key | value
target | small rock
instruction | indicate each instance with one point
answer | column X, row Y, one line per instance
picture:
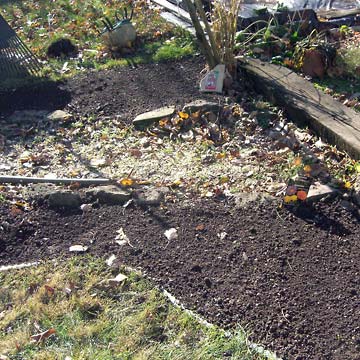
column 64, row 199
column 152, row 196
column 347, row 205
column 109, row 194
column 203, row 106
column 211, row 116
column 144, row 120
column 78, row 248
column 171, row 234
column 86, row 208
column 117, row 280
column 318, row 191
column 60, row 115
column 196, row 268
column 356, row 198
column 275, row 135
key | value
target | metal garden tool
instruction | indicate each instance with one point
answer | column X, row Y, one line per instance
column 15, row 57
column 121, row 34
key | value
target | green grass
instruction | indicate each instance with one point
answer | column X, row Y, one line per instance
column 40, row 22
column 133, row 320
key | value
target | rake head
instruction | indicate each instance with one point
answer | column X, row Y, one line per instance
column 16, row 60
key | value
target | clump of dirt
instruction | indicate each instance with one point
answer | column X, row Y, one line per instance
column 61, row 48
column 289, row 276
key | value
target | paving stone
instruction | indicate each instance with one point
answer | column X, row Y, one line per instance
column 203, row 106
column 109, row 194
column 144, row 120
column 60, row 115
column 64, row 199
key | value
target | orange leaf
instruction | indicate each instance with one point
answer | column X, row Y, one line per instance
column 183, row 115
column 49, row 290
column 126, row 182
column 195, row 115
column 307, row 168
column 297, row 161
column 42, row 336
column 302, row 195
column 200, row 227
column 163, row 122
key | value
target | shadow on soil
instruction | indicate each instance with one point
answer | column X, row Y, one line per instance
column 36, row 94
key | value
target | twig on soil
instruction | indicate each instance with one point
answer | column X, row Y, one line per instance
column 282, row 312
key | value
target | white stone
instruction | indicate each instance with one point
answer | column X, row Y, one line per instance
column 78, row 248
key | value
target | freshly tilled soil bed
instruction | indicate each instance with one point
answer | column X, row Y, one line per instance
column 291, row 276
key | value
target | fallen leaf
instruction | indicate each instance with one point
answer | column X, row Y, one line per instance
column 291, row 190
column 307, row 168
column 42, row 336
column 347, row 185
column 121, row 238
column 110, row 260
column 297, row 161
column 183, row 115
column 221, row 155
column 357, row 167
column 289, row 199
column 126, row 182
column 136, row 153
column 49, row 290
column 200, row 227
column 14, row 211
column 117, row 280
column 301, row 195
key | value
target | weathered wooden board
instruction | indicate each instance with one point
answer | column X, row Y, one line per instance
column 304, row 104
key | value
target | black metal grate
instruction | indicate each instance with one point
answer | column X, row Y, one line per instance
column 15, row 57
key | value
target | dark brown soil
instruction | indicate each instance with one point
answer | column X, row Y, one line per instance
column 124, row 91
column 292, row 277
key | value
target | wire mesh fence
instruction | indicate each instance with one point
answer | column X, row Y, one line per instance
column 15, row 57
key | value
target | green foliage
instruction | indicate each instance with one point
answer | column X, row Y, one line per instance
column 40, row 22
column 93, row 320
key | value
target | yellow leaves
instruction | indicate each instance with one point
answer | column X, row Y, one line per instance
column 290, row 198
column 307, row 168
column 224, row 179
column 347, row 185
column 221, row 155
column 293, row 194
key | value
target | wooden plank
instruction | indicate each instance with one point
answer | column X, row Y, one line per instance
column 336, row 13
column 333, row 121
column 177, row 10
column 173, row 19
